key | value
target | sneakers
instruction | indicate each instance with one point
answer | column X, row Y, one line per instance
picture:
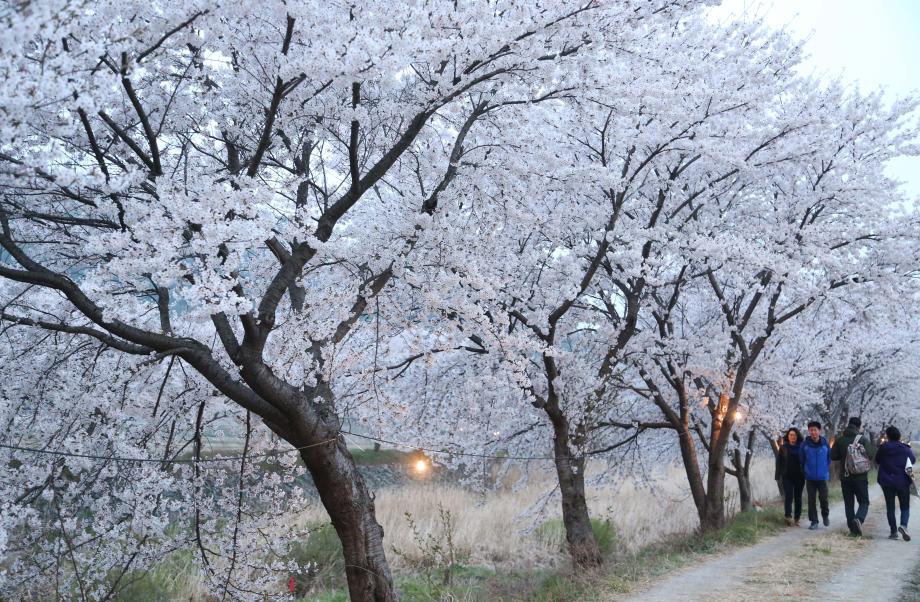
column 827, row 521
column 789, row 522
column 813, row 526
column 903, row 530
column 894, row 535
column 856, row 527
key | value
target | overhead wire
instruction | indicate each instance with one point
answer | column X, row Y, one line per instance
column 427, row 448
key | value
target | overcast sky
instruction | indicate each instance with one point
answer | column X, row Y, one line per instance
column 874, row 43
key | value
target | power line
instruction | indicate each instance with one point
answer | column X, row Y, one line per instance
column 54, row 452
column 446, row 452
column 413, row 446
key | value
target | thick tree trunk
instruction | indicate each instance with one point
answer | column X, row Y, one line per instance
column 578, row 532
column 351, row 509
column 312, row 425
column 709, row 499
column 712, row 516
column 570, row 471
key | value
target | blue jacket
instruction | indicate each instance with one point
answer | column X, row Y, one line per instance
column 816, row 459
column 891, row 458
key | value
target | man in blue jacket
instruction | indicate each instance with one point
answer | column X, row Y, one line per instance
column 816, row 462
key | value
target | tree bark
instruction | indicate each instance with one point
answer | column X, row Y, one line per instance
column 692, row 469
column 351, row 509
column 709, row 499
column 578, row 532
column 741, row 469
column 570, row 470
column 712, row 517
column 775, row 445
column 745, row 492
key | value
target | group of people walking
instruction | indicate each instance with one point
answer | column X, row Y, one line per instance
column 804, row 464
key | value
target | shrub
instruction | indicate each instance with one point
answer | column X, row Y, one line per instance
column 552, row 532
column 320, row 558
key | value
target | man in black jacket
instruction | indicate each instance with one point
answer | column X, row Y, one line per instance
column 853, row 484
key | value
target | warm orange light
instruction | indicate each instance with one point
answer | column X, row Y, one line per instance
column 421, row 466
column 738, row 415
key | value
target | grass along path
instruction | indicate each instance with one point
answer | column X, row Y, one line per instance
column 804, row 565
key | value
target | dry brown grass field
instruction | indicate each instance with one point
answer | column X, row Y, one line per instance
column 496, row 528
column 514, row 530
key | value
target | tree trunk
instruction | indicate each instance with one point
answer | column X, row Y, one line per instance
column 570, row 471
column 745, row 492
column 712, row 517
column 351, row 509
column 578, row 532
column 692, row 469
column 775, row 445
column 741, row 468
column 312, row 425
column 709, row 499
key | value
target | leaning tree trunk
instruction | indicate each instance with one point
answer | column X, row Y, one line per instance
column 709, row 499
column 691, row 463
column 351, row 509
column 345, row 496
column 570, row 470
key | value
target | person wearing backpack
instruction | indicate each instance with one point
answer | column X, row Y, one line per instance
column 854, row 450
column 815, row 457
column 789, row 471
column 892, row 458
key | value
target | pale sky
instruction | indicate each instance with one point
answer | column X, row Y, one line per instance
column 873, row 43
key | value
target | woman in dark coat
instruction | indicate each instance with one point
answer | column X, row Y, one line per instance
column 789, row 469
column 891, row 458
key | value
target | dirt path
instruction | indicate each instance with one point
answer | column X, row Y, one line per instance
column 802, row 564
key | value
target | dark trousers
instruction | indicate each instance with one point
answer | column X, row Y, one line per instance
column 792, row 496
column 903, row 496
column 855, row 490
column 819, row 487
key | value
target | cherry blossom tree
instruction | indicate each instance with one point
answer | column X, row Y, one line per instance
column 228, row 188
column 671, row 192
column 822, row 223
column 500, row 226
column 636, row 162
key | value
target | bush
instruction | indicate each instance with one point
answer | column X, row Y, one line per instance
column 438, row 552
column 559, row 588
column 320, row 558
column 165, row 582
column 605, row 534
